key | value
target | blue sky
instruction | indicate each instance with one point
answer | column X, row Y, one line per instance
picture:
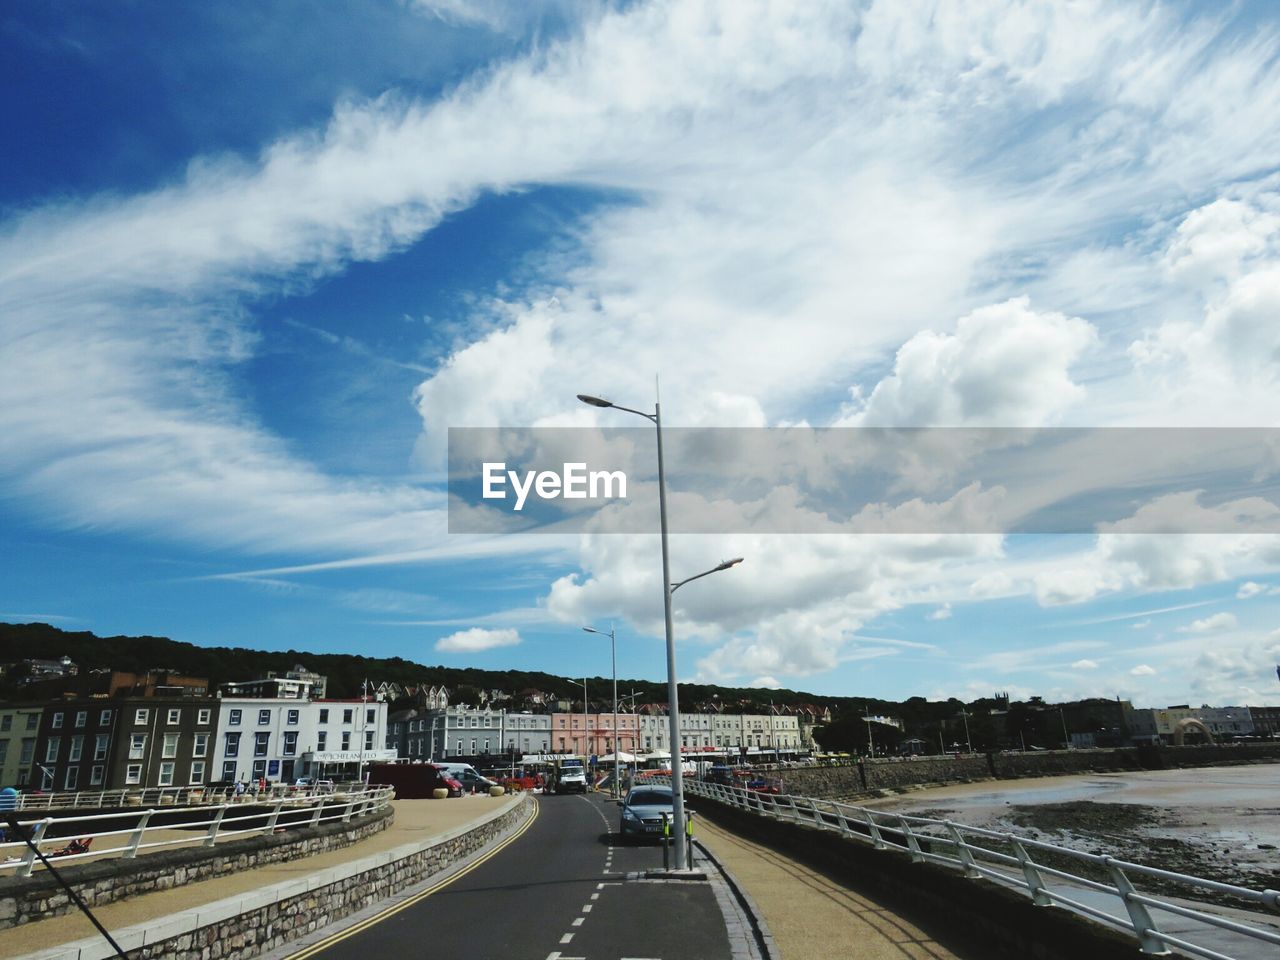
column 254, row 263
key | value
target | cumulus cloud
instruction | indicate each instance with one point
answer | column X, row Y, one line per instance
column 1143, row 670
column 477, row 639
column 1006, row 365
column 1085, row 665
column 1212, row 624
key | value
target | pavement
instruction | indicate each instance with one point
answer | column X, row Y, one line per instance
column 808, row 915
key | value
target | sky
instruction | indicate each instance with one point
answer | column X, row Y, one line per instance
column 255, row 261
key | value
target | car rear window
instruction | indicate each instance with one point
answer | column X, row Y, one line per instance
column 650, row 798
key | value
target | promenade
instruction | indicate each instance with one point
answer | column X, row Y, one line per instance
column 808, row 915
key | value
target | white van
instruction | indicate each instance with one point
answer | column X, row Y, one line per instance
column 468, row 776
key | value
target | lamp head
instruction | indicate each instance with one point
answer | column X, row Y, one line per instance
column 595, row 401
column 726, row 564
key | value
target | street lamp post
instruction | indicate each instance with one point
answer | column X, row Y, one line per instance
column 668, row 588
column 613, row 648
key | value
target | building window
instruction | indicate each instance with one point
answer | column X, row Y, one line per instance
column 137, row 746
column 259, row 769
column 51, row 749
column 174, row 717
column 82, row 717
column 73, row 778
column 104, row 718
column 33, row 720
column 203, row 716
column 140, row 717
column 346, row 716
column 228, row 770
column 346, row 740
column 368, row 739
column 324, row 714
column 57, row 721
column 233, row 717
column 28, row 752
column 166, row 774
column 133, row 773
column 232, row 748
column 260, row 743
column 371, row 715
column 264, row 718
column 77, row 747
column 170, row 749
column 321, row 739
column 46, row 778
column 460, row 747
column 197, row 773
column 95, row 777
column 6, row 723
column 290, row 743
column 292, row 718
column 200, row 748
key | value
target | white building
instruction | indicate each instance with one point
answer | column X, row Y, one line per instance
column 282, row 739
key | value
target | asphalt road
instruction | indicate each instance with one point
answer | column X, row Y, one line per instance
column 559, row 891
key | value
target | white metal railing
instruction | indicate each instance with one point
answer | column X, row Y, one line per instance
column 163, row 796
column 977, row 852
column 125, row 834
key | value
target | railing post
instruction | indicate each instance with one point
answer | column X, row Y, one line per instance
column 842, row 822
column 913, row 844
column 1030, row 873
column 29, row 858
column 346, row 817
column 1139, row 915
column 136, row 837
column 876, row 840
column 962, row 851
column 212, row 836
column 319, row 808
column 271, row 820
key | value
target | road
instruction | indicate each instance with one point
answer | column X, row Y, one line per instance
column 558, row 891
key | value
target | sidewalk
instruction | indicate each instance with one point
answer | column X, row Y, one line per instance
column 810, row 916
column 415, row 821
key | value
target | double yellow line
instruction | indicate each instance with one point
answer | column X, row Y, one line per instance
column 421, row 895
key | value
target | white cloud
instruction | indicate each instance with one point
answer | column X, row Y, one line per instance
column 1006, row 365
column 765, row 683
column 942, row 613
column 1085, row 665
column 1213, row 624
column 1140, row 625
column 1143, row 670
column 477, row 639
column 1249, row 589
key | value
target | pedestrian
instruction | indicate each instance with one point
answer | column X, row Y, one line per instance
column 240, row 788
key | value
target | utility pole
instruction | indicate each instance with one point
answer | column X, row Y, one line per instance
column 1066, row 737
column 871, row 746
column 967, row 741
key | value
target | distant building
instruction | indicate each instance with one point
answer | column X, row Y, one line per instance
column 1266, row 721
column 19, row 728
column 283, row 738
column 269, row 688
column 36, row 669
column 318, row 682
column 131, row 742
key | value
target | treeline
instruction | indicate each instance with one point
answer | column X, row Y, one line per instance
column 346, row 672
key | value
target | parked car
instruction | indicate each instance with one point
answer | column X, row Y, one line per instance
column 643, row 810
column 471, row 780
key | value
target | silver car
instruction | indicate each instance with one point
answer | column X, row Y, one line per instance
column 643, row 811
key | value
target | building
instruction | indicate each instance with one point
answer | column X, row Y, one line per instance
column 1167, row 725
column 1266, row 721
column 268, row 688
column 283, row 738
column 19, row 728
column 100, row 744
column 319, row 683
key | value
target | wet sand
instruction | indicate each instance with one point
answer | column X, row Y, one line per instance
column 1219, row 822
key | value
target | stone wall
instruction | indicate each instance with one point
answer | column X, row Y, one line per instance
column 867, row 778
column 28, row 899
column 249, row 925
